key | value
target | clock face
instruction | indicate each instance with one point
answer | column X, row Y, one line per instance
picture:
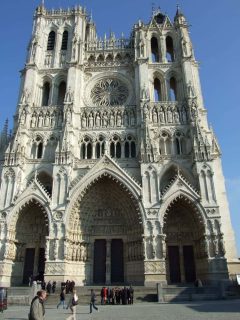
column 109, row 92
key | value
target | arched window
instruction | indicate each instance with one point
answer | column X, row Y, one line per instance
column 126, row 153
column 86, row 151
column 89, row 151
column 173, row 89
column 112, row 149
column 169, row 49
column 133, row 149
column 116, row 147
column 64, row 40
column 46, row 94
column 51, row 41
column 98, row 150
column 83, row 151
column 129, row 147
column 61, row 92
column 165, row 144
column 118, row 150
column 157, row 90
column 178, row 146
column 154, row 50
column 40, row 150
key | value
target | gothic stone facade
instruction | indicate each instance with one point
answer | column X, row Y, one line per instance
column 113, row 173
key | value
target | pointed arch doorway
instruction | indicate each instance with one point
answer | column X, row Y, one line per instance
column 186, row 254
column 26, row 249
column 107, row 220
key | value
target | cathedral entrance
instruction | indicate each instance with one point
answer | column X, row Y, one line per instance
column 111, row 266
column 107, row 224
column 28, row 251
column 184, row 236
column 99, row 267
column 117, row 267
column 175, row 254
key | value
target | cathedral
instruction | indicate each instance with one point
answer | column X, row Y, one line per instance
column 112, row 174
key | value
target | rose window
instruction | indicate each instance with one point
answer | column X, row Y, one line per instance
column 109, row 92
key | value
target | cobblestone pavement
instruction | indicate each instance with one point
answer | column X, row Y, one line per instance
column 227, row 310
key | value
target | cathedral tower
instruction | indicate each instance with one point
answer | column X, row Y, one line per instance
column 113, row 174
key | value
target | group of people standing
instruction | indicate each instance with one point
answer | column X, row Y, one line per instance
column 117, row 295
column 108, row 296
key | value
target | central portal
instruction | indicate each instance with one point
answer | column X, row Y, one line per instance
column 108, row 262
column 106, row 223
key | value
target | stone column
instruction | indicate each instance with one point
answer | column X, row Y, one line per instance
column 108, row 262
column 47, row 248
column 163, row 49
column 182, row 269
column 36, row 260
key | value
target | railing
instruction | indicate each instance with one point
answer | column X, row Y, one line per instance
column 109, row 44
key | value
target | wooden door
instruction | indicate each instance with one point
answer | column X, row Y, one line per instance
column 99, row 265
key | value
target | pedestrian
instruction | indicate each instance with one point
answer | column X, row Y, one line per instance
column 93, row 301
column 72, row 304
column 37, row 310
column 62, row 299
column 30, row 280
column 131, row 293
column 49, row 287
column 102, row 296
column 54, row 286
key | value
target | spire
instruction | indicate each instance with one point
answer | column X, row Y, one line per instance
column 91, row 17
column 179, row 16
column 178, row 12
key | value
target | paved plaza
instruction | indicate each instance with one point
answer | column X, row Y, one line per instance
column 210, row 310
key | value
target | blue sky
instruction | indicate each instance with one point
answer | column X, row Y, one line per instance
column 215, row 26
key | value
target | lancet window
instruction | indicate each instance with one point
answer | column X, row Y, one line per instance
column 169, row 49
column 154, row 49
column 64, row 40
column 51, row 41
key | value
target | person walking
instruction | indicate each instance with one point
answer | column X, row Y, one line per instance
column 72, row 304
column 131, row 294
column 37, row 310
column 93, row 301
column 62, row 299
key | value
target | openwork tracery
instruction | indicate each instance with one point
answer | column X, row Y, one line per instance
column 109, row 92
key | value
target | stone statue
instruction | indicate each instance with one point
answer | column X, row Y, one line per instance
column 90, row 120
column 119, row 120
column 176, row 116
column 84, row 121
column 111, row 120
column 184, row 115
column 155, row 117
column 105, row 120
column 190, row 90
column 97, row 120
column 34, row 48
column 169, row 115
column 25, row 97
column 69, row 96
column 221, row 246
column 125, row 119
column 186, row 48
column 144, row 93
column 162, row 116
column 141, row 45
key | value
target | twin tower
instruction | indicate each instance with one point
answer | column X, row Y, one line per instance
column 113, row 174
